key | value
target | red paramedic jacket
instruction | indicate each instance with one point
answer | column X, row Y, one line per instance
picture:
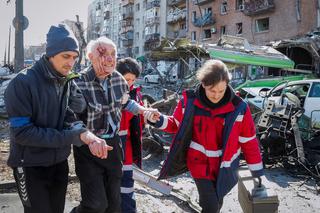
column 216, row 139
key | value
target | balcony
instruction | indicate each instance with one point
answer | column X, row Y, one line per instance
column 152, row 37
column 177, row 34
column 206, row 20
column 106, row 15
column 126, row 29
column 127, row 35
column 258, row 7
column 106, row 32
column 201, row 2
column 126, row 2
column 175, row 15
column 182, row 33
column 155, row 3
column 127, row 15
column 107, row 8
column 127, row 23
column 152, row 21
column 125, row 52
column 176, row 2
column 127, row 43
column 151, row 45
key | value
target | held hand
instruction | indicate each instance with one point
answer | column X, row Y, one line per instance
column 88, row 137
column 100, row 149
column 152, row 116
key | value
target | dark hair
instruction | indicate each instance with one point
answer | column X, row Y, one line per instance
column 212, row 72
column 128, row 65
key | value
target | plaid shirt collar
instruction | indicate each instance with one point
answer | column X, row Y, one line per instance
column 91, row 75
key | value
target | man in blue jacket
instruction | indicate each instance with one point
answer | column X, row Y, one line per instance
column 37, row 103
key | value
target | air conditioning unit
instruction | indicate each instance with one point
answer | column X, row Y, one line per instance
column 241, row 7
column 213, row 30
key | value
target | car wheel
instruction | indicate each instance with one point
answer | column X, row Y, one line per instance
column 146, row 80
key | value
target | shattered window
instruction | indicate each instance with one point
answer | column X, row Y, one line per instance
column 299, row 90
column 239, row 5
column 315, row 90
column 223, row 8
column 262, row 25
column 222, row 30
column 207, row 33
column 239, row 28
column 277, row 91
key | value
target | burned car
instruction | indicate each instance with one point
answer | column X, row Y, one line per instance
column 288, row 128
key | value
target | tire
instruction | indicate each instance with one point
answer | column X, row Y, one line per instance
column 146, row 80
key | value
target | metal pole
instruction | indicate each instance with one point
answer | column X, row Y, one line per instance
column 5, row 56
column 19, row 50
column 9, row 45
column 318, row 13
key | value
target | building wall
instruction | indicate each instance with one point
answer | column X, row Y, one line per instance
column 177, row 28
column 98, row 25
column 138, row 37
column 283, row 22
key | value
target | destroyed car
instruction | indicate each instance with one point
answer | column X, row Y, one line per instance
column 305, row 93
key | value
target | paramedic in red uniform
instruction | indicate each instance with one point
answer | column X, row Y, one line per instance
column 130, row 134
column 213, row 127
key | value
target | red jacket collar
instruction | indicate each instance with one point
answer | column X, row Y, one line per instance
column 229, row 107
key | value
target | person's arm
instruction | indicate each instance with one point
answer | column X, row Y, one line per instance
column 249, row 144
column 77, row 102
column 76, row 106
column 167, row 123
column 18, row 100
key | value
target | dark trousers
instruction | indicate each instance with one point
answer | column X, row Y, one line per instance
column 42, row 189
column 128, row 201
column 100, row 180
column 208, row 198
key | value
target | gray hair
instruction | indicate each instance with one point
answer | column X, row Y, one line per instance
column 101, row 41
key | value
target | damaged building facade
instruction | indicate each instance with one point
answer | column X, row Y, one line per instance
column 138, row 26
column 288, row 24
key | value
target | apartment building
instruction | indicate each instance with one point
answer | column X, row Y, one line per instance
column 103, row 20
column 176, row 19
column 259, row 21
column 138, row 29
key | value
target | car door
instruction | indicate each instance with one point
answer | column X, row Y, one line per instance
column 154, row 77
column 312, row 103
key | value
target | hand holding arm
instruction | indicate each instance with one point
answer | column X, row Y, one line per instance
column 97, row 146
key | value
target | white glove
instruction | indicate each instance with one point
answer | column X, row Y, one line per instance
column 148, row 115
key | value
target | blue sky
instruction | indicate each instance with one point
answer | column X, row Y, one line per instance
column 41, row 14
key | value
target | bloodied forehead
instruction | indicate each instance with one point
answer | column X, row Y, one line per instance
column 105, row 50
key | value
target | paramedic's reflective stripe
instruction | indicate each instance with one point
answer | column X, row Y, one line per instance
column 164, row 122
column 19, row 121
column 123, row 132
column 255, row 167
column 208, row 153
column 239, row 118
column 126, row 190
column 246, row 139
column 228, row 163
column 177, row 122
column 127, row 168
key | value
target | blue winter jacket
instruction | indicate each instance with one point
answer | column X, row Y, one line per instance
column 36, row 101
